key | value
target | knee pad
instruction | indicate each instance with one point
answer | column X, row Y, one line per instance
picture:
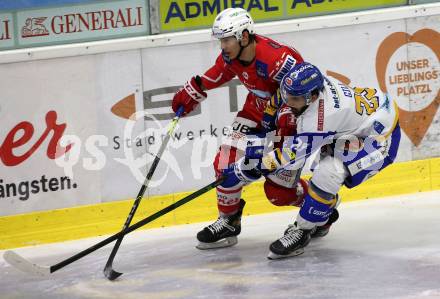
column 282, row 196
column 329, row 175
column 225, row 156
column 228, row 199
column 317, row 207
column 235, row 143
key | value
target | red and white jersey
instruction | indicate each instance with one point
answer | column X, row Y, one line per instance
column 261, row 77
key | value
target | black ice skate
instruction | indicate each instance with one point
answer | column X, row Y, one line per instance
column 223, row 232
column 291, row 244
column 322, row 231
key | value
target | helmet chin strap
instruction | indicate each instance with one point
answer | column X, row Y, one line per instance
column 307, row 101
column 241, row 51
column 300, row 111
column 308, row 98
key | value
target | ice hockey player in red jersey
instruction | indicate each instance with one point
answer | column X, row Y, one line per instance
column 260, row 63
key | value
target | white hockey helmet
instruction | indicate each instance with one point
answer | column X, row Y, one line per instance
column 232, row 22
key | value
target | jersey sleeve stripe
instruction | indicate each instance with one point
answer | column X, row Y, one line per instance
column 213, row 80
column 288, row 63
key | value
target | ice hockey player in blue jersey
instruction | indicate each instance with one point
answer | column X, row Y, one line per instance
column 354, row 130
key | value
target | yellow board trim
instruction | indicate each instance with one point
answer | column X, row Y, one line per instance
column 108, row 218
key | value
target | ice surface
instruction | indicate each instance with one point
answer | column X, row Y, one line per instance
column 387, row 248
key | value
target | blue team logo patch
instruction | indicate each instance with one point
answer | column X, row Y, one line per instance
column 261, row 69
column 378, row 127
column 288, row 81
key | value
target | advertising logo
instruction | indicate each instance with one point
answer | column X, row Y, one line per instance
column 412, row 81
column 34, row 27
column 12, row 154
column 94, row 21
column 182, row 14
column 5, row 31
column 23, row 132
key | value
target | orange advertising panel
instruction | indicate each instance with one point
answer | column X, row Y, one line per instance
column 415, row 78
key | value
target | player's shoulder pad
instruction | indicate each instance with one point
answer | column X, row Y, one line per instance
column 283, row 64
column 279, row 58
column 274, row 44
column 271, row 58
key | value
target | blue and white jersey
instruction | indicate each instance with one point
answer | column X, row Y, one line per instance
column 339, row 112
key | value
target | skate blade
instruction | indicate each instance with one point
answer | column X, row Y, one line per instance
column 274, row 256
column 319, row 235
column 226, row 242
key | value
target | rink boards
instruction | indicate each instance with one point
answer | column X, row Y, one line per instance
column 92, row 220
column 82, row 95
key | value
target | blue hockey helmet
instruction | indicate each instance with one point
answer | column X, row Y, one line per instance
column 301, row 80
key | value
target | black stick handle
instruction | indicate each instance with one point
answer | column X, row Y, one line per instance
column 144, row 187
column 136, row 225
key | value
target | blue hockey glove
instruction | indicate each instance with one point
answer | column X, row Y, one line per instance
column 248, row 168
column 268, row 121
column 269, row 118
column 242, row 171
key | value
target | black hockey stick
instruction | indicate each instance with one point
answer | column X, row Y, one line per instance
column 24, row 265
column 108, row 269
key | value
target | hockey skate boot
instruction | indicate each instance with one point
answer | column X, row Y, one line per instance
column 223, row 232
column 322, row 231
column 291, row 244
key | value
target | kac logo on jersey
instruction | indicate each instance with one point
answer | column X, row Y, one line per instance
column 261, row 69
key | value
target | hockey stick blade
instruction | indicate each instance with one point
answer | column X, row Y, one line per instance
column 110, row 273
column 24, row 265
